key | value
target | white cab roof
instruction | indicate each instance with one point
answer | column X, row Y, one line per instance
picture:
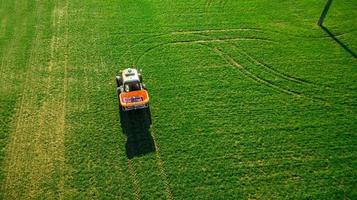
column 130, row 75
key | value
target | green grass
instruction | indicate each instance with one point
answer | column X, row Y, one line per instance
column 249, row 99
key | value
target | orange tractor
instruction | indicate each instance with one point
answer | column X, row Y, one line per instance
column 132, row 93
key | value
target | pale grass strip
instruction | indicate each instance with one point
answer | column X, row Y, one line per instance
column 64, row 106
column 16, row 149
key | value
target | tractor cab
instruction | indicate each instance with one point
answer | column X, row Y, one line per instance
column 132, row 86
column 131, row 91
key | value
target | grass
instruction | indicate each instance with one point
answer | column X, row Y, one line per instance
column 249, row 99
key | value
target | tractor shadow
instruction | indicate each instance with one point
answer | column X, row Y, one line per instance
column 136, row 127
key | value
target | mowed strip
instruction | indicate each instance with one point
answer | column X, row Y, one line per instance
column 35, row 153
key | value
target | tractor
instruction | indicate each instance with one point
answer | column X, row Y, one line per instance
column 132, row 93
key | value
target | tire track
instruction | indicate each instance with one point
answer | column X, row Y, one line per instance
column 225, row 40
column 217, row 30
column 163, row 174
column 251, row 60
column 133, row 175
column 134, row 180
column 261, row 80
column 231, row 61
column 140, row 42
column 159, row 162
column 196, row 42
column 63, row 112
column 272, row 70
column 264, row 66
column 251, row 75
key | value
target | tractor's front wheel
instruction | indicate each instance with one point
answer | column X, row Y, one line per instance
column 140, row 78
column 119, row 81
column 118, row 97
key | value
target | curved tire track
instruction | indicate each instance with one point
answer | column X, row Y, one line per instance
column 231, row 61
column 266, row 67
column 244, row 71
column 140, row 42
column 258, row 79
column 194, row 42
column 272, row 70
column 251, row 75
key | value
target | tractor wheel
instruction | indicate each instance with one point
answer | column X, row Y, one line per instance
column 119, row 81
column 118, row 93
column 148, row 113
column 144, row 87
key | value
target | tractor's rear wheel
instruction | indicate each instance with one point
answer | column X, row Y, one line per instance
column 148, row 113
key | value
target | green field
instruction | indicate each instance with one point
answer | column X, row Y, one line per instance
column 249, row 100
